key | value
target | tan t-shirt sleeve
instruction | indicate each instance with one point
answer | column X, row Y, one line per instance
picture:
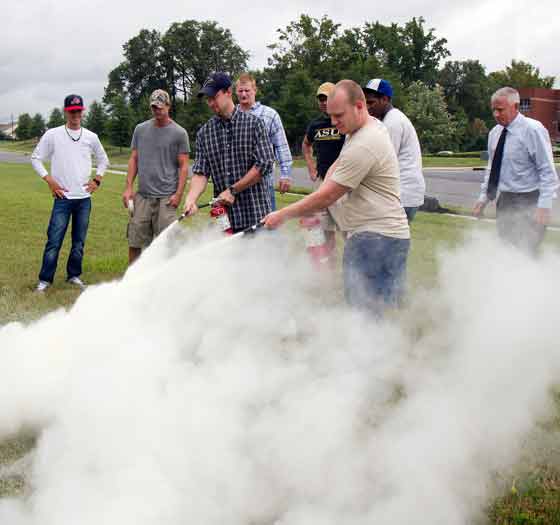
column 353, row 165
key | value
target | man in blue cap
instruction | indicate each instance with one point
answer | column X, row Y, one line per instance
column 234, row 149
column 379, row 94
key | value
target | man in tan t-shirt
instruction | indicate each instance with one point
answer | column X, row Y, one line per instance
column 371, row 215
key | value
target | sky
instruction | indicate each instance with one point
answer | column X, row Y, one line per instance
column 48, row 49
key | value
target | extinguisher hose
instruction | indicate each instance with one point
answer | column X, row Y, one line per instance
column 250, row 229
column 183, row 215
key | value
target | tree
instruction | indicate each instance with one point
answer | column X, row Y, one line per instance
column 297, row 105
column 476, row 135
column 56, row 118
column 38, row 126
column 192, row 50
column 141, row 72
column 119, row 124
column 307, row 44
column 410, row 51
column 192, row 115
column 178, row 61
column 116, row 85
column 96, row 119
column 520, row 75
column 466, row 87
column 426, row 108
column 143, row 68
column 23, row 130
column 318, row 47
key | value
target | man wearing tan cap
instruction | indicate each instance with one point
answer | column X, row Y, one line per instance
column 160, row 155
column 322, row 138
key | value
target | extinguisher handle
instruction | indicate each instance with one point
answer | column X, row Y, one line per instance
column 253, row 228
column 199, row 206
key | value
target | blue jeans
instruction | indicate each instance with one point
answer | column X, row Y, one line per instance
column 374, row 268
column 410, row 213
column 64, row 209
column 272, row 194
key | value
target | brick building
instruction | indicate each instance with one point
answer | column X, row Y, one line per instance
column 543, row 105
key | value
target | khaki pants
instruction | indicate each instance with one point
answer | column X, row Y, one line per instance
column 151, row 216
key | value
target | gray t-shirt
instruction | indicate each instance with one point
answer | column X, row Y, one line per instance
column 158, row 167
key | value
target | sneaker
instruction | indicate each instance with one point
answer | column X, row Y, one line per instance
column 76, row 281
column 42, row 286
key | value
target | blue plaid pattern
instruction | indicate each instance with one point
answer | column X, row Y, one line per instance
column 277, row 135
column 225, row 151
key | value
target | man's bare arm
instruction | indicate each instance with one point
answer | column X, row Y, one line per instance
column 130, row 176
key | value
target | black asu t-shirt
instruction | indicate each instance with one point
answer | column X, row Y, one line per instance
column 327, row 142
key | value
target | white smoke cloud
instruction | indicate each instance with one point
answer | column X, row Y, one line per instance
column 220, row 383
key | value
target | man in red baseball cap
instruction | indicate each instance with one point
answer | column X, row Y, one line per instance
column 69, row 149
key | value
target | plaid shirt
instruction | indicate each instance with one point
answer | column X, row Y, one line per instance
column 277, row 135
column 226, row 150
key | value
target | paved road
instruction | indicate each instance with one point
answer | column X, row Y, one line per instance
column 451, row 186
column 8, row 156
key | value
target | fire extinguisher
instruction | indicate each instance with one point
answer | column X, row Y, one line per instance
column 321, row 249
column 219, row 213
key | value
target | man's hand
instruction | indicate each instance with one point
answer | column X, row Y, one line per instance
column 175, row 200
column 127, row 195
column 312, row 173
column 274, row 220
column 478, row 209
column 284, row 185
column 56, row 189
column 542, row 216
column 226, row 198
column 91, row 186
column 190, row 207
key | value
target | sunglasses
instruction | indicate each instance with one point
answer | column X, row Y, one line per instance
column 74, row 111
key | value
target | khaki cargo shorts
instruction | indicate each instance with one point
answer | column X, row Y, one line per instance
column 151, row 216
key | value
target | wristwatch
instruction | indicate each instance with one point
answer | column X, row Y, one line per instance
column 97, row 181
column 232, row 190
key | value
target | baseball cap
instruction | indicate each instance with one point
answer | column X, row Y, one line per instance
column 381, row 86
column 160, row 98
column 214, row 83
column 325, row 89
column 72, row 102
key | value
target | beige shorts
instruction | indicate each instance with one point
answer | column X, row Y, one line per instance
column 151, row 216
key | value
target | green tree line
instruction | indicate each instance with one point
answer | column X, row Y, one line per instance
column 447, row 101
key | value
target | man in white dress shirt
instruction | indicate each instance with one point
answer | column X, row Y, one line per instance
column 379, row 95
column 69, row 149
column 521, row 169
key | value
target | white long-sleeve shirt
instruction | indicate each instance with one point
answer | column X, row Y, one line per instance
column 527, row 164
column 70, row 159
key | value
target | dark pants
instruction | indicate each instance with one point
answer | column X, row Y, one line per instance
column 64, row 209
column 374, row 268
column 272, row 194
column 410, row 213
column 515, row 220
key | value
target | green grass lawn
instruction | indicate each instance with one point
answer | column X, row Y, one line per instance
column 25, row 205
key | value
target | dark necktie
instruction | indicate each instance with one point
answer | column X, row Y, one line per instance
column 494, row 179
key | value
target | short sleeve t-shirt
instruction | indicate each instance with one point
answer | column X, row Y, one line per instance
column 404, row 138
column 158, row 167
column 327, row 142
column 368, row 166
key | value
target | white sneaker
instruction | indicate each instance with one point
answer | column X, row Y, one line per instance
column 42, row 286
column 76, row 281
